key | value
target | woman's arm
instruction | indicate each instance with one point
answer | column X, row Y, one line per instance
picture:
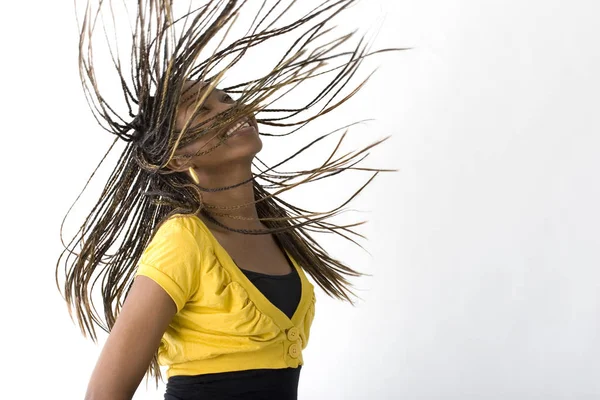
column 132, row 342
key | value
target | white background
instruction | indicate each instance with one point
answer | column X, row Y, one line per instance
column 484, row 246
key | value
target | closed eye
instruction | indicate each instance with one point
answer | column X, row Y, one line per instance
column 227, row 97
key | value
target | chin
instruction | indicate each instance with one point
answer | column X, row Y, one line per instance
column 243, row 149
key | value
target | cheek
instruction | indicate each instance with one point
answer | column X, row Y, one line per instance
column 203, row 143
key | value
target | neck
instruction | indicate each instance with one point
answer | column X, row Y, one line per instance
column 236, row 196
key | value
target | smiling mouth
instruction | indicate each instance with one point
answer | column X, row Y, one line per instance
column 237, row 127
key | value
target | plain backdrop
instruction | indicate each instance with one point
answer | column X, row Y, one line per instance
column 483, row 247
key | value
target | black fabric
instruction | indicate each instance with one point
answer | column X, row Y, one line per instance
column 254, row 384
column 284, row 292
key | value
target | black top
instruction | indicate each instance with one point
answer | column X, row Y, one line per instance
column 284, row 292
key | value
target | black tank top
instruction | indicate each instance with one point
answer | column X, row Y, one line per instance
column 284, row 292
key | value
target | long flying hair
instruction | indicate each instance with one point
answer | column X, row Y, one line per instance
column 142, row 192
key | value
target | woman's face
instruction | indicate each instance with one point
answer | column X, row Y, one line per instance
column 238, row 148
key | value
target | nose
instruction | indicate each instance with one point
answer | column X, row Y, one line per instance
column 222, row 107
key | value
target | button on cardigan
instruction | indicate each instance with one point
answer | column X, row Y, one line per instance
column 223, row 322
column 268, row 383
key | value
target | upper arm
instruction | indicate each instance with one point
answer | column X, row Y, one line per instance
column 133, row 341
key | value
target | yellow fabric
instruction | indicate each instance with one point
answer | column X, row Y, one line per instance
column 223, row 322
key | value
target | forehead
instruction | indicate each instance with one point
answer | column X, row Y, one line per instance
column 192, row 89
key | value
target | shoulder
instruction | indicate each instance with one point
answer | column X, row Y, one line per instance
column 178, row 236
column 185, row 227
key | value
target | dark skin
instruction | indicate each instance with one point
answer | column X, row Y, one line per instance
column 148, row 309
column 226, row 165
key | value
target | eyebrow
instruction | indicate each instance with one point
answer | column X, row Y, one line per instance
column 187, row 100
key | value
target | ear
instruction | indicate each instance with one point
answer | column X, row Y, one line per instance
column 179, row 163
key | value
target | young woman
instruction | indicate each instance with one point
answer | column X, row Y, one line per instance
column 212, row 265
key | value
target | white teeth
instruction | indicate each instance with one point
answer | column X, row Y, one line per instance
column 236, row 127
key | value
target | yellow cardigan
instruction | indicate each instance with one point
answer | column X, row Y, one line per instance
column 223, row 322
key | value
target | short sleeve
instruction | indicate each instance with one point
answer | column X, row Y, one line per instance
column 172, row 259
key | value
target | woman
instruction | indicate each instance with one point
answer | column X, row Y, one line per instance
column 212, row 265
